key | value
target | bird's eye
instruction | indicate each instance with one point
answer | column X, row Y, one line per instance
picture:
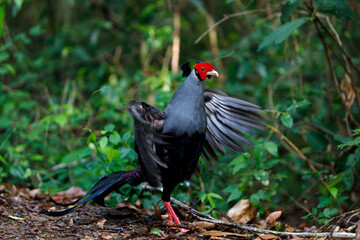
column 202, row 69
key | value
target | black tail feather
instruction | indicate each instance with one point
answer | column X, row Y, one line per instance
column 98, row 192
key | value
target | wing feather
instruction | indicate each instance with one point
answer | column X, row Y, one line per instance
column 148, row 123
column 228, row 119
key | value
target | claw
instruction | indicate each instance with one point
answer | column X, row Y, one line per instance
column 172, row 216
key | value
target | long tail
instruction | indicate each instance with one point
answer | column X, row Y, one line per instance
column 101, row 189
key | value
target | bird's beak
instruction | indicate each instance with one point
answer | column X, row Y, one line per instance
column 212, row 73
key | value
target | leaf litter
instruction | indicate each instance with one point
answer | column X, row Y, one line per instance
column 20, row 218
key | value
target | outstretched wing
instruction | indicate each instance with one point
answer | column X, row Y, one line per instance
column 148, row 123
column 228, row 119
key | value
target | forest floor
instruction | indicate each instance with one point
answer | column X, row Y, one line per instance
column 21, row 218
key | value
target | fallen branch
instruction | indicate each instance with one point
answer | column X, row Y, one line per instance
column 205, row 217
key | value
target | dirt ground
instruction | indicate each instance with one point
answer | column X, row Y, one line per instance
column 21, row 218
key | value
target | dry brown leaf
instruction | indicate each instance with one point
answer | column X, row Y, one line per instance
column 214, row 233
column 71, row 193
column 35, row 193
column 271, row 219
column 348, row 92
column 106, row 237
column 129, row 205
column 290, row 229
column 100, row 223
column 267, row 236
column 242, row 212
column 87, row 238
column 206, row 225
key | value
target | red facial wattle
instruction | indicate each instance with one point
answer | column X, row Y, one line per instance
column 205, row 70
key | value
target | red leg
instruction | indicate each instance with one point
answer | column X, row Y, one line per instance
column 172, row 216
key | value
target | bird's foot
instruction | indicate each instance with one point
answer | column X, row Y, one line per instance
column 172, row 217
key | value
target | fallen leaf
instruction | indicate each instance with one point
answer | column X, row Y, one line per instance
column 242, row 212
column 205, row 225
column 70, row 194
column 141, row 231
column 348, row 92
column 101, row 223
column 16, row 218
column 106, row 237
column 35, row 193
column 87, row 238
column 214, row 233
column 155, row 231
column 271, row 219
column 267, row 236
column 128, row 205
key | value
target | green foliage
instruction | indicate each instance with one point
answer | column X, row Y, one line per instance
column 355, row 142
column 69, row 68
column 289, row 8
column 280, row 34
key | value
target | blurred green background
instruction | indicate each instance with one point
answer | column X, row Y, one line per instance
column 68, row 69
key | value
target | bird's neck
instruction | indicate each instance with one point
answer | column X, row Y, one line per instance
column 186, row 109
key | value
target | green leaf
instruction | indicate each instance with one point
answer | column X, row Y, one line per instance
column 114, row 138
column 287, row 120
column 280, row 34
column 272, row 148
column 84, row 152
column 350, row 143
column 317, row 141
column 334, row 192
column 110, row 154
column 299, row 104
column 289, row 8
column 4, row 56
column 239, row 163
column 324, row 202
column 76, row 154
column 37, row 30
column 156, row 231
column 329, row 212
column 356, row 132
column 235, row 195
column 61, row 119
column 91, row 138
column 103, row 142
column 215, row 195
column 254, row 200
column 231, row 188
column 3, row 160
column 2, row 17
column 110, row 127
column 335, row 7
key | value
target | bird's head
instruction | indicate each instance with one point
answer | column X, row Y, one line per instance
column 202, row 70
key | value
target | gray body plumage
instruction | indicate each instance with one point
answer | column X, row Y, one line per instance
column 185, row 113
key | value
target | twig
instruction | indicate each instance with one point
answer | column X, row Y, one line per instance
column 225, row 18
column 70, row 164
column 300, row 154
column 348, row 58
column 322, row 39
column 205, row 217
